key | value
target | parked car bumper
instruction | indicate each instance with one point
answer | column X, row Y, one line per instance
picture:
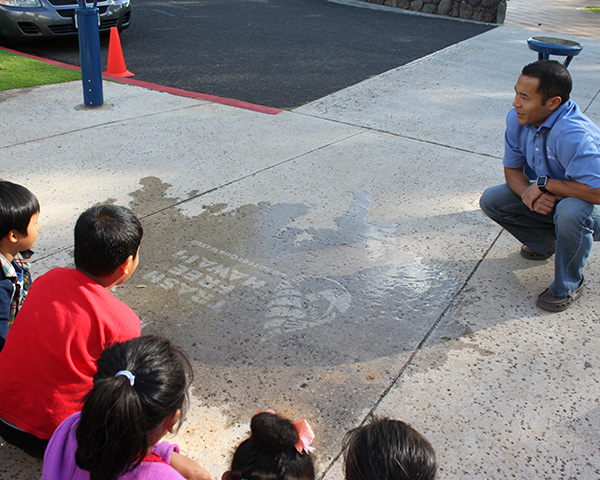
column 58, row 20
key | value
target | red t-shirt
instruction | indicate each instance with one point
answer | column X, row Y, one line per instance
column 49, row 360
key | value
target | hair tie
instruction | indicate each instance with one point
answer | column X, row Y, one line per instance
column 128, row 374
column 305, row 437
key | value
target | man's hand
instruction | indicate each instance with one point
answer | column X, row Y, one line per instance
column 545, row 204
column 538, row 201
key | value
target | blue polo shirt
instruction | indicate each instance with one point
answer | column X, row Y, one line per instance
column 565, row 147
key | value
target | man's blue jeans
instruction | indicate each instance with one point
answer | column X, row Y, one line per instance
column 572, row 229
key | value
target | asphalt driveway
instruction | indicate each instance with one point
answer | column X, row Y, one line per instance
column 278, row 53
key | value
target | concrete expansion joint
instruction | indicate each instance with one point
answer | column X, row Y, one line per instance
column 249, row 175
column 95, row 126
column 431, row 142
column 591, row 102
column 399, row 135
column 453, row 302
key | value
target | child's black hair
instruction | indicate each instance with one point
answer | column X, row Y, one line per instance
column 388, row 449
column 17, row 206
column 269, row 453
column 117, row 417
column 105, row 236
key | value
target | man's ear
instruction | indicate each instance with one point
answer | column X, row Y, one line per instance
column 554, row 102
column 126, row 265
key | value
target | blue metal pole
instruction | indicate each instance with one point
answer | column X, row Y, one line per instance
column 89, row 52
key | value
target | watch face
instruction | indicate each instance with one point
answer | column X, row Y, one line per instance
column 541, row 181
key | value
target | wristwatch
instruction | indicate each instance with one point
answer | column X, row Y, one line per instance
column 541, row 182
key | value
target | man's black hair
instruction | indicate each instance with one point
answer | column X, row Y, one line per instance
column 17, row 206
column 555, row 79
column 105, row 236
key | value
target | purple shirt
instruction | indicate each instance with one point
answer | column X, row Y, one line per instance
column 59, row 460
column 565, row 147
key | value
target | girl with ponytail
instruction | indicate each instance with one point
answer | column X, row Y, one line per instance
column 276, row 450
column 137, row 397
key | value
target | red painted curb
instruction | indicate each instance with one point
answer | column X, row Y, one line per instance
column 203, row 96
column 161, row 88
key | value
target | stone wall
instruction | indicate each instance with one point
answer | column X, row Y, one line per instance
column 489, row 11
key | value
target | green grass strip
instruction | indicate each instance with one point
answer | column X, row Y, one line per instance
column 17, row 71
column 592, row 9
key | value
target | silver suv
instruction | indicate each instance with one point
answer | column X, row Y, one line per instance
column 23, row 19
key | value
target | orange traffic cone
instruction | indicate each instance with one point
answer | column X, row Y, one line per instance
column 116, row 62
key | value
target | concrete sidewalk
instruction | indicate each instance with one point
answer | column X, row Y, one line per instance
column 351, row 225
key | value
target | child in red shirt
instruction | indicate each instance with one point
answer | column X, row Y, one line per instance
column 69, row 318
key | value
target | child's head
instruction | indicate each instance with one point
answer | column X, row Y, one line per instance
column 388, row 450
column 18, row 207
column 270, row 453
column 138, row 393
column 105, row 237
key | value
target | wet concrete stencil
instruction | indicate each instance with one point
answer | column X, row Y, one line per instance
column 277, row 315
